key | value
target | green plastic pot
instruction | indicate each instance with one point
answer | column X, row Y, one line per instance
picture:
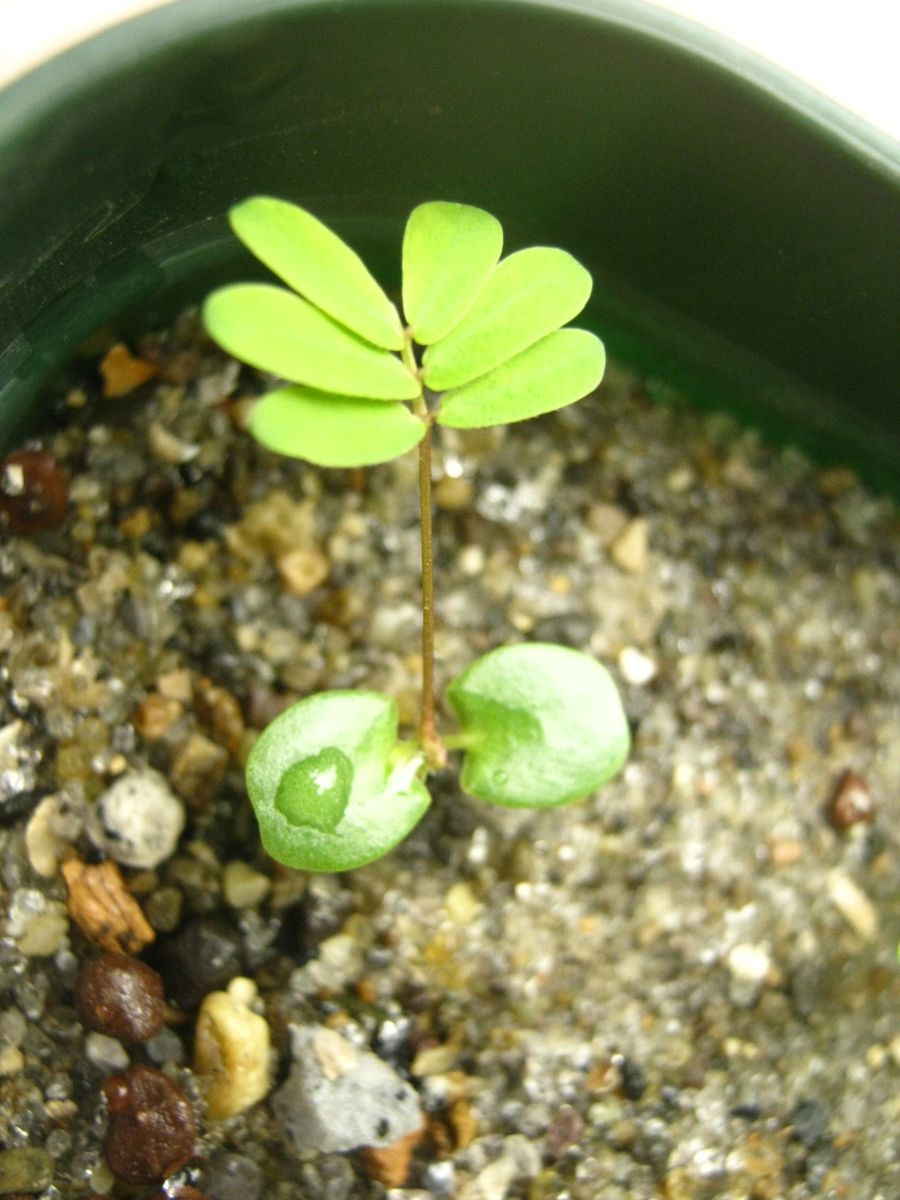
column 743, row 231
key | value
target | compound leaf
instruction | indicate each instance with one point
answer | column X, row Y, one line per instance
column 448, row 252
column 334, row 431
column 274, row 330
column 554, row 372
column 526, row 296
column 314, row 261
column 543, row 725
column 331, row 786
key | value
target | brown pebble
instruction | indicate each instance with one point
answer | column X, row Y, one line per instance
column 34, row 492
column 122, row 372
column 120, row 996
column 103, row 909
column 390, row 1164
column 851, row 802
column 155, row 716
column 198, row 767
column 151, row 1129
column 221, row 712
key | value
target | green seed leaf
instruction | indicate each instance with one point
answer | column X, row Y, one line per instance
column 274, row 330
column 558, row 370
column 544, row 725
column 315, row 791
column 314, row 261
column 526, row 296
column 331, row 786
column 448, row 252
column 334, row 431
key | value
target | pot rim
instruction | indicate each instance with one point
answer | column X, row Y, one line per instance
column 127, row 43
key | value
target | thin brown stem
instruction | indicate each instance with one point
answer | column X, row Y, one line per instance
column 434, row 748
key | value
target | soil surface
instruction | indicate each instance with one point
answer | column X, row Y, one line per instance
column 684, row 987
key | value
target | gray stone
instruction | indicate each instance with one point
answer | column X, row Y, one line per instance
column 338, row 1097
column 230, row 1176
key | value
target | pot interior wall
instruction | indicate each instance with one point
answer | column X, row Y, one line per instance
column 742, row 245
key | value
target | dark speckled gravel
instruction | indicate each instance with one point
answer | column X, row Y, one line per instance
column 684, row 987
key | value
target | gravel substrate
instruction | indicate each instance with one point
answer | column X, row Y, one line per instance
column 685, row 987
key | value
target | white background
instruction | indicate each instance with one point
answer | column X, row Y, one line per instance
column 849, row 49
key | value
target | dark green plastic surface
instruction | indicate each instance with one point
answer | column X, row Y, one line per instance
column 744, row 233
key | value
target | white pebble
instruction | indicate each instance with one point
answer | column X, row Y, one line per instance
column 749, row 962
column 51, row 829
column 853, row 904
column 105, row 1052
column 138, row 820
column 636, row 667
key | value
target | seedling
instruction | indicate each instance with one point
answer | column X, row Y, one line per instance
column 481, row 343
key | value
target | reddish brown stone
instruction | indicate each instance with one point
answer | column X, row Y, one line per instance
column 851, row 802
column 120, row 996
column 34, row 492
column 151, row 1129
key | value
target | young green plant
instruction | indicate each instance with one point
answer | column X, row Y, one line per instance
column 480, row 344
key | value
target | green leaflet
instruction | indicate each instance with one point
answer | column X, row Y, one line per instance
column 334, row 431
column 556, row 371
column 271, row 328
column 526, row 296
column 314, row 261
column 543, row 725
column 331, row 786
column 448, row 252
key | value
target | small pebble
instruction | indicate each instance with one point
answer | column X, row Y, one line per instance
column 202, row 956
column 231, row 1050
column 607, row 521
column 45, row 932
column 303, row 569
column 168, row 448
column 120, row 996
column 103, row 909
column 338, row 1097
column 629, row 550
column 138, row 820
column 52, row 828
column 198, row 767
column 155, row 716
column 243, row 887
column 151, row 1129
column 219, row 709
column 121, row 372
column 34, row 492
column 390, row 1165
column 106, row 1053
column 165, row 1047
column 748, row 964
column 851, row 802
column 25, row 1169
column 231, row 1176
column 636, row 667
column 852, row 903
column 453, row 493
